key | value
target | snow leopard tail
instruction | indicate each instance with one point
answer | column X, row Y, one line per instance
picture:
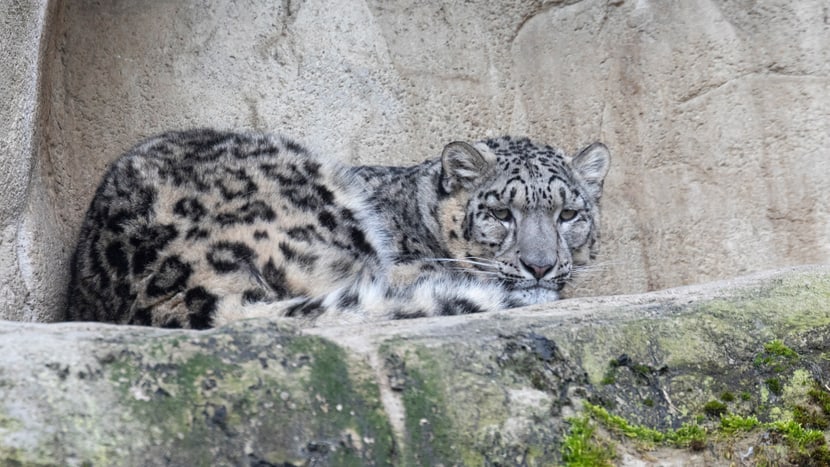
column 371, row 300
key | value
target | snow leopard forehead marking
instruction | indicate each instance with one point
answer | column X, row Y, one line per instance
column 530, row 176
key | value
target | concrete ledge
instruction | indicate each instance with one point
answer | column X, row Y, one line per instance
column 499, row 388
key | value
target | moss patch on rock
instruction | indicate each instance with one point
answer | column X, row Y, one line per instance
column 298, row 389
column 496, row 402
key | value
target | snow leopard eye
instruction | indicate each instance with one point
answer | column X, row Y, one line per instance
column 567, row 214
column 503, row 215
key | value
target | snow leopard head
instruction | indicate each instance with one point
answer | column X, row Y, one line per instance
column 519, row 212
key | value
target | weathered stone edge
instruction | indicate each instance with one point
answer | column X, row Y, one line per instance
column 401, row 393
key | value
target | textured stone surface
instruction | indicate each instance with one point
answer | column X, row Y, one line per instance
column 502, row 388
column 717, row 113
column 22, row 262
column 718, row 117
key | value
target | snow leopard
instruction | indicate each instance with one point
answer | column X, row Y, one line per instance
column 198, row 228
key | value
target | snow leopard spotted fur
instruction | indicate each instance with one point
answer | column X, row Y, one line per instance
column 198, row 228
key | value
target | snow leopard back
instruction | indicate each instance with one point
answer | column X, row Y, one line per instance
column 198, row 228
column 188, row 219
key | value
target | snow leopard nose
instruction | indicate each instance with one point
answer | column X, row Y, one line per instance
column 537, row 271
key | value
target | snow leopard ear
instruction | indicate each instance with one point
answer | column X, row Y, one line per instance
column 592, row 166
column 464, row 165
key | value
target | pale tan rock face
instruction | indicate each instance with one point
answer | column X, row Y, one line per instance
column 717, row 113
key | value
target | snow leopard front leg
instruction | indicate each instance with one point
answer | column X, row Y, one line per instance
column 413, row 290
column 422, row 290
column 526, row 297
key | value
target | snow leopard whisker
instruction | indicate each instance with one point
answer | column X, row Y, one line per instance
column 461, row 260
column 476, row 271
column 583, row 271
column 468, row 259
column 601, row 266
column 479, row 258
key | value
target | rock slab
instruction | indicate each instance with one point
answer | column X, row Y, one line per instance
column 501, row 389
column 717, row 113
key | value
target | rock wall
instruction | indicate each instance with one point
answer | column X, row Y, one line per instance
column 717, row 113
column 22, row 262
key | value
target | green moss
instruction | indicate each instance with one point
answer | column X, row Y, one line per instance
column 796, row 434
column 11, row 457
column 686, row 435
column 169, row 397
column 776, row 356
column 809, row 418
column 691, row 435
column 329, row 379
column 621, row 425
column 696, row 342
column 9, row 423
column 349, row 405
column 610, row 373
column 786, row 307
column 818, row 456
column 428, row 430
column 641, row 370
column 820, row 398
column 714, row 408
column 774, row 385
column 190, row 395
column 163, row 395
column 580, row 448
column 807, row 446
column 731, row 423
column 777, row 348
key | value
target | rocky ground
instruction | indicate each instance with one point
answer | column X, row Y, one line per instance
column 732, row 373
